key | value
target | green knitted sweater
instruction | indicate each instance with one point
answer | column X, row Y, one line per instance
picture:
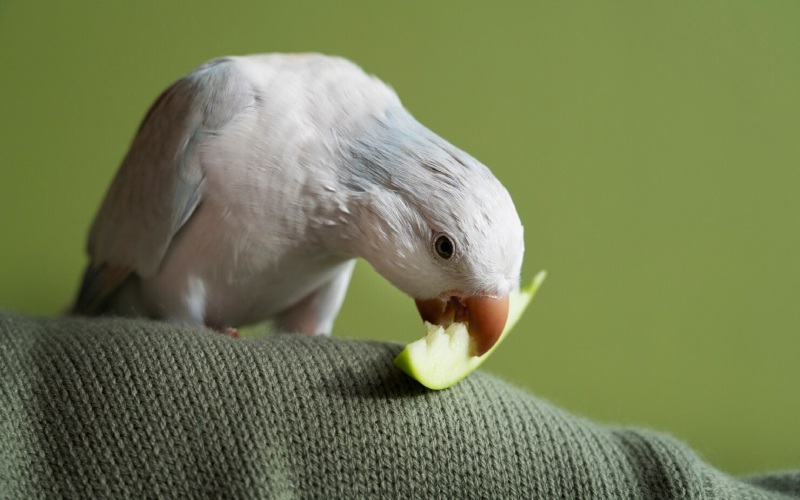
column 111, row 408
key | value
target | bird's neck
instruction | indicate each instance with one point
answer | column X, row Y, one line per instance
column 334, row 222
column 374, row 160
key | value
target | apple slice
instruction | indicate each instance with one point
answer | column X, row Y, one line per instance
column 443, row 356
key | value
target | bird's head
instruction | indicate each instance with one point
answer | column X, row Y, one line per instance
column 436, row 223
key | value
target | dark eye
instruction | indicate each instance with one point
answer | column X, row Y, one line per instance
column 444, row 246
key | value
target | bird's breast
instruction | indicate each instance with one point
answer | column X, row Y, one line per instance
column 232, row 266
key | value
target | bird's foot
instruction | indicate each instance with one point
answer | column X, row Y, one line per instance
column 230, row 332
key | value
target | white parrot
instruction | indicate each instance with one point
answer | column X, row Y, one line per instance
column 253, row 184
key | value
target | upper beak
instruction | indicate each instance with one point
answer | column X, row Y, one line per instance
column 485, row 316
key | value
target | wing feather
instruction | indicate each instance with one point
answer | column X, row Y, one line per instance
column 159, row 184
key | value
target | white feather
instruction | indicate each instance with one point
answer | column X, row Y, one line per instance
column 254, row 181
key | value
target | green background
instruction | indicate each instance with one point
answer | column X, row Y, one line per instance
column 651, row 148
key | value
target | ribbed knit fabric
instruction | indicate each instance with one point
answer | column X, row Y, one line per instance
column 111, row 408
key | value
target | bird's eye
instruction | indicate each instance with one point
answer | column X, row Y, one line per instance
column 444, row 246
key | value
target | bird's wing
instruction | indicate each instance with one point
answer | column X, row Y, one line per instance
column 160, row 182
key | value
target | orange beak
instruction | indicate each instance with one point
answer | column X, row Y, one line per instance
column 485, row 316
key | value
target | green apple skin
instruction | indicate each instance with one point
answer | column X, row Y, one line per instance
column 442, row 358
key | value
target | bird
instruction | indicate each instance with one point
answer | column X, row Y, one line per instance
column 254, row 183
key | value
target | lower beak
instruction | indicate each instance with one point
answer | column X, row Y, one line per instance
column 485, row 316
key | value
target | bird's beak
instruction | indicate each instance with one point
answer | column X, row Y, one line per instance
column 485, row 316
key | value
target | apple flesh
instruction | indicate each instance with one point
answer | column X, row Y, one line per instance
column 443, row 357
